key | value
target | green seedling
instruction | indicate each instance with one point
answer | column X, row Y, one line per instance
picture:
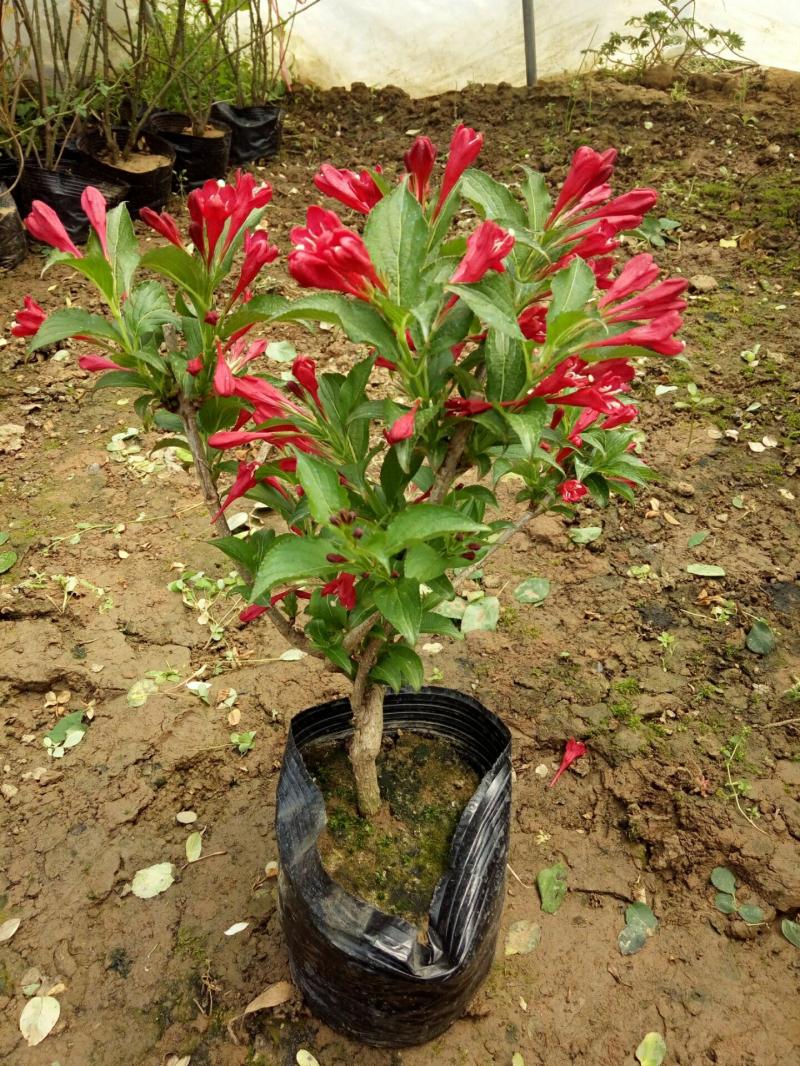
column 725, row 899
column 640, row 923
column 243, row 742
column 667, row 642
column 210, row 598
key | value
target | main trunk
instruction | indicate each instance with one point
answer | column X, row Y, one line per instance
column 365, row 746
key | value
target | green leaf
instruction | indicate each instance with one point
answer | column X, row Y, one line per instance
column 123, row 248
column 320, row 481
column 652, row 1051
column 96, row 268
column 423, row 563
column 705, row 570
column 7, row 560
column 153, row 880
column 697, row 538
column 362, row 323
column 725, row 902
column 434, row 622
column 425, row 521
column 70, row 723
column 632, row 938
column 147, row 309
column 723, row 879
column 121, row 379
column 492, row 300
column 791, row 930
column 400, row 605
column 481, row 614
column 585, row 534
column 399, row 665
column 572, row 289
column 289, row 559
column 248, row 551
column 194, row 847
column 69, row 321
column 506, row 371
column 177, row 265
column 528, row 424
column 760, row 640
column 533, row 590
column 538, row 199
column 281, row 351
column 640, row 912
column 493, row 200
column 751, row 914
column 517, row 1059
column 396, row 235
column 552, row 885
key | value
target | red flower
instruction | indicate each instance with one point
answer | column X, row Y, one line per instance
column 94, row 204
column 195, row 366
column 587, row 176
column 95, row 363
column 215, row 208
column 242, row 484
column 626, row 211
column 327, row 255
column 257, row 253
column 28, row 321
column 574, row 750
column 305, row 372
column 211, row 318
column 656, row 335
column 44, row 225
column 163, row 224
column 460, row 406
column 533, row 323
column 419, row 160
column 387, row 364
column 645, row 300
column 233, row 438
column 465, row 147
column 358, row 191
column 572, row 491
column 343, row 588
column 487, row 247
column 252, row 612
column 403, row 427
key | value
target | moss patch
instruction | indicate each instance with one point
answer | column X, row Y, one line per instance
column 394, row 860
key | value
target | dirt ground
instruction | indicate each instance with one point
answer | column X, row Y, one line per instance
column 694, row 752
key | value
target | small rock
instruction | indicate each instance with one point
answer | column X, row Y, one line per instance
column 684, row 488
column 773, row 150
column 703, row 283
column 8, row 790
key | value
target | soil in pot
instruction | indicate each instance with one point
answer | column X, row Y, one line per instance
column 395, row 860
column 198, row 158
column 147, row 170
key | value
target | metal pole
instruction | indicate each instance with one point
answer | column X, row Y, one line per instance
column 529, row 34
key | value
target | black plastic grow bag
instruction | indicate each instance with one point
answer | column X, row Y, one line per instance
column 13, row 246
column 255, row 131
column 62, row 188
column 147, row 188
column 196, row 158
column 362, row 971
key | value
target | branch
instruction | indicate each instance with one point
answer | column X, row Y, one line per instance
column 212, row 501
column 446, row 473
column 505, row 536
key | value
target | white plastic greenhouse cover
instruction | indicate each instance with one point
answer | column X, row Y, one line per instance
column 428, row 46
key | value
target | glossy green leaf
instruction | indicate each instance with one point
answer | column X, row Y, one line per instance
column 69, row 321
column 398, row 666
column 396, row 235
column 760, row 639
column 506, row 371
column 528, row 424
column 361, row 323
column 320, row 481
column 400, row 605
column 185, row 270
column 423, row 563
column 572, row 289
column 289, row 559
column 424, row 522
column 492, row 300
column 493, row 200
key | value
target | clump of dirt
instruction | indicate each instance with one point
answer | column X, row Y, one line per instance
column 395, row 860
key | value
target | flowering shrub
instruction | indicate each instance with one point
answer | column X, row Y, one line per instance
column 507, row 351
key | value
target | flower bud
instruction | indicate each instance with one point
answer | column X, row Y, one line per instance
column 358, row 533
column 468, row 555
column 332, row 557
column 212, row 317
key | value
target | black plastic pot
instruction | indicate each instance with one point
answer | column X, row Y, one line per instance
column 148, row 188
column 364, row 972
column 196, row 158
column 13, row 246
column 62, row 188
column 255, row 131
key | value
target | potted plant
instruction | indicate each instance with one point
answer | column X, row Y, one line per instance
column 507, row 353
column 257, row 74
column 48, row 86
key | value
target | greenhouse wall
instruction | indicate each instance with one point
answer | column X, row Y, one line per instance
column 426, row 47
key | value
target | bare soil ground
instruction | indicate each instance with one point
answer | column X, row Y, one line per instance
column 652, row 808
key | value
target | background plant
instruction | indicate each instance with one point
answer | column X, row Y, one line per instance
column 670, row 34
column 505, row 354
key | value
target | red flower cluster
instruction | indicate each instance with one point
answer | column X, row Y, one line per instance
column 219, row 208
column 257, row 253
column 633, row 297
column 327, row 255
column 357, row 191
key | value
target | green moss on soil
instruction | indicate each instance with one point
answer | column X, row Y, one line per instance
column 394, row 860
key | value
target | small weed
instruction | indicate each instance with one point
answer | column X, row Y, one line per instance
column 738, row 788
column 627, row 686
column 207, row 597
column 667, row 642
